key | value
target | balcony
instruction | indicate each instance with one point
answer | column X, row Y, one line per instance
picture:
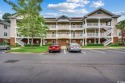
column 65, row 27
column 92, row 24
column 76, row 35
column 54, row 36
column 76, row 27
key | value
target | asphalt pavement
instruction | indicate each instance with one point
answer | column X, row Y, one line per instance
column 88, row 66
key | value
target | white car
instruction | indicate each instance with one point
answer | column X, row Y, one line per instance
column 4, row 47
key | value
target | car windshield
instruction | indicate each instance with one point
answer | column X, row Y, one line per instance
column 55, row 45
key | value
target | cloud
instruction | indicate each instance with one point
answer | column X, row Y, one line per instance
column 63, row 6
column 122, row 13
column 51, row 14
column 121, row 18
column 75, row 11
column 97, row 4
column 1, row 15
column 70, row 6
column 81, row 2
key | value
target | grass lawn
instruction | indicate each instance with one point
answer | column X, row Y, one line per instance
column 93, row 47
column 31, row 49
column 117, row 46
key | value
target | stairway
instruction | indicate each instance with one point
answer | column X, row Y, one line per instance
column 108, row 32
column 107, row 42
column 20, row 42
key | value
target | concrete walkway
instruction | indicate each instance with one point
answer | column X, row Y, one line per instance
column 63, row 47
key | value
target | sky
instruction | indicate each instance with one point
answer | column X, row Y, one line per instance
column 72, row 8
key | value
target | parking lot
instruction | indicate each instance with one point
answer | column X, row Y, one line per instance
column 89, row 66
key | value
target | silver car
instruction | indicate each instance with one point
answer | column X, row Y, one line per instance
column 4, row 47
column 74, row 47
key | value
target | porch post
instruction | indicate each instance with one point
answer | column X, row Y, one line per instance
column 70, row 32
column 99, row 30
column 41, row 42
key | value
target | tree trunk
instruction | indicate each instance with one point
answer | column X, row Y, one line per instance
column 32, row 41
column 122, row 38
column 41, row 43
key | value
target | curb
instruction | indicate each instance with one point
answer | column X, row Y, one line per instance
column 24, row 53
column 104, row 48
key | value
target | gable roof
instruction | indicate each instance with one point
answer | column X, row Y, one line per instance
column 62, row 17
column 101, row 9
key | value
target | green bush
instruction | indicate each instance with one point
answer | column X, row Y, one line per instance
column 114, row 44
column 17, row 45
column 48, row 44
column 95, row 45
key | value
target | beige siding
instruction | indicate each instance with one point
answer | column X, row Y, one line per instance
column 2, row 30
column 13, row 28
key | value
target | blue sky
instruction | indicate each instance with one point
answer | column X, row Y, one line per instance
column 77, row 8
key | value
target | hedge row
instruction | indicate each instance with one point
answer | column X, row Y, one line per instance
column 95, row 45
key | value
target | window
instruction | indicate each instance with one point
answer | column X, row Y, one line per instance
column 67, row 33
column 5, row 26
column 74, row 41
column 5, row 33
column 99, row 12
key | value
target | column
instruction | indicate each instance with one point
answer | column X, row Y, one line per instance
column 70, row 36
column 83, row 42
column 99, row 30
column 56, row 32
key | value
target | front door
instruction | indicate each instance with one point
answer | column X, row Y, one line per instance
column 62, row 42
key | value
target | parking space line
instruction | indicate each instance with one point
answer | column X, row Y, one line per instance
column 83, row 52
column 97, row 51
column 116, row 51
column 64, row 51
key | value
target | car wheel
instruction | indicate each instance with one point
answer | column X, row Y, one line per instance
column 59, row 51
column 7, row 48
column 49, row 51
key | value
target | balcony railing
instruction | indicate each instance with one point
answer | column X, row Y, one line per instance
column 77, row 35
column 92, row 24
column 76, row 26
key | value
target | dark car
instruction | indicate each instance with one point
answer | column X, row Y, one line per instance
column 54, row 47
column 74, row 47
column 4, row 47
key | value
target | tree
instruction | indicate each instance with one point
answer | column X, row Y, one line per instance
column 30, row 24
column 5, row 17
column 121, row 26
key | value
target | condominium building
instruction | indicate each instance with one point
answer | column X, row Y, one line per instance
column 97, row 27
column 4, row 31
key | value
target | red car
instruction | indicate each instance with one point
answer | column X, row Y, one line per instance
column 54, row 47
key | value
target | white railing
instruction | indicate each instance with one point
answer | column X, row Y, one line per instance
column 104, row 24
column 92, row 34
column 76, row 35
column 51, row 36
column 64, row 35
column 63, row 26
column 108, row 41
column 108, row 32
column 19, row 42
column 52, row 26
column 76, row 26
column 92, row 24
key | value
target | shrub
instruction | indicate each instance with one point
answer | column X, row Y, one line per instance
column 95, row 45
column 17, row 45
column 114, row 44
column 48, row 44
